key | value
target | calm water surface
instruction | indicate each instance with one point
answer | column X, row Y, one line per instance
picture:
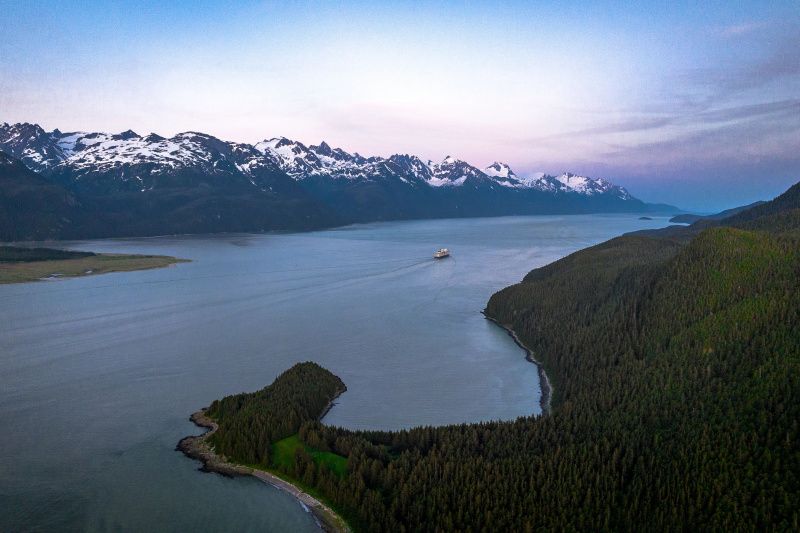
column 99, row 374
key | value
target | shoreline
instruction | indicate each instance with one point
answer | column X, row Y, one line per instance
column 123, row 237
column 544, row 381
column 196, row 447
column 80, row 267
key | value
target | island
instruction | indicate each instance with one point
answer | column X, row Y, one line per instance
column 19, row 264
column 674, row 357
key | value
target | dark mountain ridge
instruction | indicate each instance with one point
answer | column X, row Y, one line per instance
column 126, row 184
column 689, row 218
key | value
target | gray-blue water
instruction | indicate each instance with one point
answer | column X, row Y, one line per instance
column 99, row 374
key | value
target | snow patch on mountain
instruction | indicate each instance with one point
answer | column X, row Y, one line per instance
column 128, row 155
column 499, row 170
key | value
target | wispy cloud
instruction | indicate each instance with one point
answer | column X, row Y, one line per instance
column 761, row 135
column 736, row 30
column 778, row 63
column 543, row 86
column 789, row 108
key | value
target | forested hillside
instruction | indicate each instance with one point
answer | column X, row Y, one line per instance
column 675, row 360
column 250, row 422
column 67, row 185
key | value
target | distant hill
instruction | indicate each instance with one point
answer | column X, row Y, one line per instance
column 47, row 206
column 16, row 254
column 33, row 207
column 195, row 183
column 688, row 218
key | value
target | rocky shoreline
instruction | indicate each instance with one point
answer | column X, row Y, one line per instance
column 547, row 387
column 197, row 447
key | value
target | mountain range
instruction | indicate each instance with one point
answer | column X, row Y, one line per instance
column 77, row 185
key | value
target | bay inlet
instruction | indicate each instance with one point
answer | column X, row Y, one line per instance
column 100, row 372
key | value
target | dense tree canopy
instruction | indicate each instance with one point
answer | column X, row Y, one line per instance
column 18, row 254
column 675, row 360
column 249, row 423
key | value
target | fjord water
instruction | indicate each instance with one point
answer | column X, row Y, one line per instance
column 99, row 374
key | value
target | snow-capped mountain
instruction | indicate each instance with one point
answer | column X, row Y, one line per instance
column 300, row 161
column 32, row 145
column 136, row 158
column 571, row 183
column 316, row 184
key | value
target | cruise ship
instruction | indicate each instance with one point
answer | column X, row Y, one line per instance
column 441, row 253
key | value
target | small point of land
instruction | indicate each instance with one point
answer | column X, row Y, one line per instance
column 21, row 265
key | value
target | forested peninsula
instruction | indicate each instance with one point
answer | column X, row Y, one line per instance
column 675, row 362
column 271, row 419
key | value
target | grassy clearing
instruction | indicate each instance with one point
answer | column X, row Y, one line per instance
column 283, row 455
column 22, row 272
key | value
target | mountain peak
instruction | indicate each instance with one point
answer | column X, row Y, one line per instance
column 499, row 170
column 25, row 128
column 81, row 153
column 278, row 142
column 124, row 136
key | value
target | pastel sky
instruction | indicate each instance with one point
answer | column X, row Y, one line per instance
column 691, row 103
